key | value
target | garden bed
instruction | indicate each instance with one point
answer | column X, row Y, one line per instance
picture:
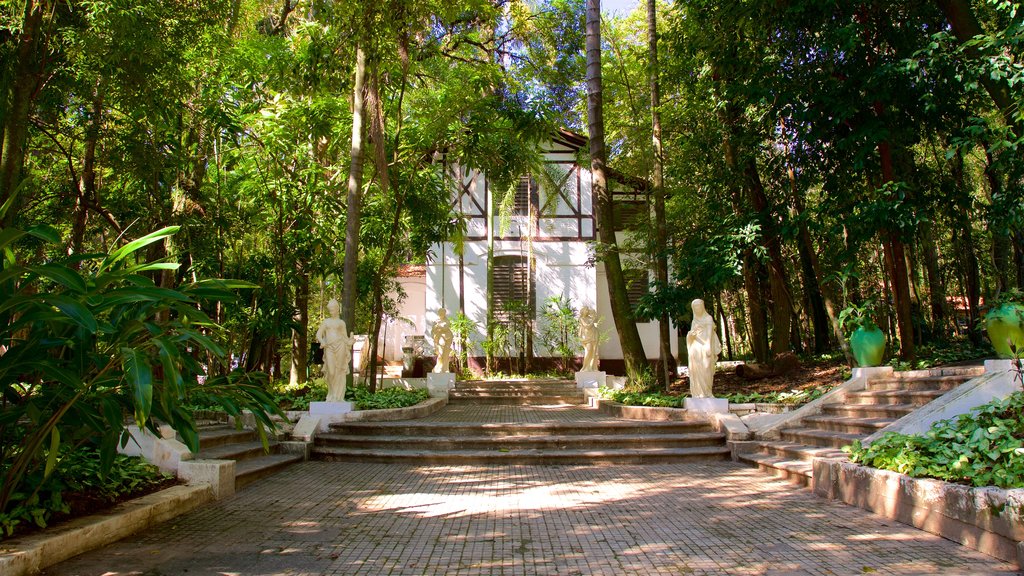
column 989, row 519
column 31, row 554
column 421, row 410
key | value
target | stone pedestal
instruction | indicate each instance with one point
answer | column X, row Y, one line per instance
column 329, row 408
column 590, row 379
column 707, row 405
column 440, row 383
column 329, row 413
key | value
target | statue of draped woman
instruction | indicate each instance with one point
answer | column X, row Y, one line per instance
column 336, row 342
column 703, row 348
column 589, row 338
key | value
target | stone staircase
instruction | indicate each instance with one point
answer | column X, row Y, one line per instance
column 455, row 443
column 519, row 422
column 516, row 392
column 861, row 414
column 252, row 462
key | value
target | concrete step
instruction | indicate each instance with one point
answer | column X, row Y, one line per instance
column 796, row 471
column 815, row 437
column 239, row 451
column 965, row 371
column 215, row 436
column 518, row 400
column 252, row 469
column 852, row 425
column 525, row 456
column 894, row 411
column 929, row 383
column 577, row 442
column 888, row 397
column 506, row 430
column 540, row 390
column 796, row 451
column 513, row 393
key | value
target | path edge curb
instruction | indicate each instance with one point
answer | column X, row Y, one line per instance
column 33, row 553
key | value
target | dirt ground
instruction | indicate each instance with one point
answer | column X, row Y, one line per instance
column 810, row 374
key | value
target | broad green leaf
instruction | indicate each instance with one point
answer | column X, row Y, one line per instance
column 62, row 275
column 127, row 249
column 140, row 376
column 51, row 458
column 74, row 310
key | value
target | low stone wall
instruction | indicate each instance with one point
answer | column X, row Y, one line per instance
column 648, row 413
column 31, row 554
column 421, row 410
column 990, row 520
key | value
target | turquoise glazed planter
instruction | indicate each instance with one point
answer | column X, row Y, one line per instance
column 1005, row 324
column 868, row 345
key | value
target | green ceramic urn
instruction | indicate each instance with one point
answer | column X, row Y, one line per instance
column 868, row 345
column 1005, row 324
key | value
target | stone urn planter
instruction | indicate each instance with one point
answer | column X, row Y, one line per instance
column 1005, row 326
column 868, row 345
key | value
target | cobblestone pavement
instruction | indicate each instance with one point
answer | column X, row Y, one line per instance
column 712, row 518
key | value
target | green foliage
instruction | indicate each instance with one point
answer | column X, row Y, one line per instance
column 857, row 316
column 940, row 353
column 79, row 470
column 91, row 340
column 462, row 326
column 642, row 398
column 984, row 448
column 386, row 398
column 559, row 323
column 298, row 396
column 793, row 397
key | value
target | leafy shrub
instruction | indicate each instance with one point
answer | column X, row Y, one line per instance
column 792, row 398
column 79, row 471
column 939, row 353
column 386, row 398
column 91, row 340
column 298, row 396
column 985, row 448
column 639, row 398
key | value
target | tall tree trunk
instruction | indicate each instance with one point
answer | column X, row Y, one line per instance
column 24, row 86
column 300, row 336
column 622, row 312
column 896, row 261
column 782, row 304
column 936, row 291
column 753, row 271
column 666, row 361
column 353, row 209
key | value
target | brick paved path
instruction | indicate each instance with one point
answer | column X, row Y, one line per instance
column 715, row 518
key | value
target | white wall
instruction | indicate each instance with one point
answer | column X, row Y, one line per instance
column 412, row 309
column 611, row 348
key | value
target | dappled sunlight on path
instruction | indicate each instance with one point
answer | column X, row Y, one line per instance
column 701, row 518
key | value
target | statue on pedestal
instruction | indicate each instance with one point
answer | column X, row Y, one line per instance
column 703, row 348
column 443, row 337
column 336, row 341
column 589, row 337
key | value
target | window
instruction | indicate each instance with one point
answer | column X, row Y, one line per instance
column 627, row 214
column 526, row 194
column 637, row 283
column 511, row 289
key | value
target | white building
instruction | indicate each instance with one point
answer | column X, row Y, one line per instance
column 544, row 249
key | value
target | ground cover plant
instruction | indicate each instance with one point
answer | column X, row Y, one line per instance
column 79, row 486
column 984, row 448
column 385, row 398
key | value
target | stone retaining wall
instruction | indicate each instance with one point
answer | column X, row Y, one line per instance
column 31, row 554
column 988, row 519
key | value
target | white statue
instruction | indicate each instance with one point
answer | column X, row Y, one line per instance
column 589, row 337
column 336, row 341
column 443, row 337
column 703, row 348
